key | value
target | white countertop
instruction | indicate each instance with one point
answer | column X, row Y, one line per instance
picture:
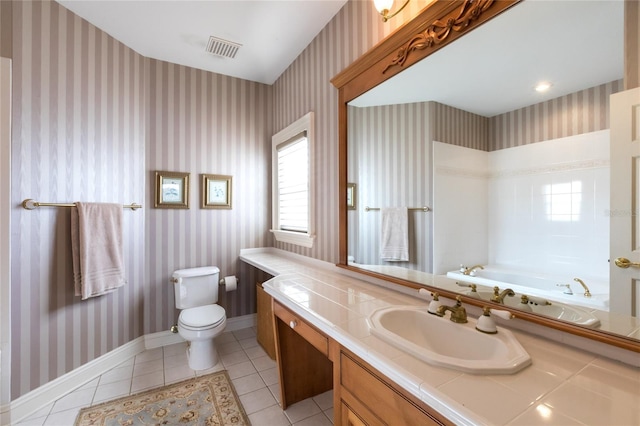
column 562, row 386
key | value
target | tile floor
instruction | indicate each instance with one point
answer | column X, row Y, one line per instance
column 253, row 373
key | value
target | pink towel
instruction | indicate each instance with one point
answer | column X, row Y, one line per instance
column 97, row 248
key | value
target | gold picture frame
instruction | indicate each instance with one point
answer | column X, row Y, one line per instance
column 216, row 191
column 172, row 190
column 351, row 196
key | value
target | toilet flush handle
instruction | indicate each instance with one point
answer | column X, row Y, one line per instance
column 293, row 323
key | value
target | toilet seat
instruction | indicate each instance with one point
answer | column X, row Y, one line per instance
column 202, row 317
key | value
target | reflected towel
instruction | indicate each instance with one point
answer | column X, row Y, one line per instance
column 97, row 248
column 394, row 243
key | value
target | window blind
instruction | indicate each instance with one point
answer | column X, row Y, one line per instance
column 293, row 184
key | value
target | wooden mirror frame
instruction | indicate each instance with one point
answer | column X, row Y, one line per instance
column 433, row 28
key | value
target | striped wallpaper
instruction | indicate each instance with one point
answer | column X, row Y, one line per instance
column 305, row 86
column 581, row 112
column 200, row 122
column 390, row 150
column 78, row 134
column 6, row 28
column 390, row 156
column 92, row 120
column 632, row 44
column 5, row 229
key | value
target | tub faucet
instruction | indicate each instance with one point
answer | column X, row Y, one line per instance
column 458, row 312
column 587, row 293
column 471, row 271
column 498, row 296
column 568, row 288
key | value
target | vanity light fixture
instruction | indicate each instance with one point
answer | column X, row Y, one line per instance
column 543, row 86
column 384, row 8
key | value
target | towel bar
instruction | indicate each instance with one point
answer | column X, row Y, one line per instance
column 30, row 204
column 424, row 209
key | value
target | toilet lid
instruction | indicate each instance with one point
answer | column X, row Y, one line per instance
column 202, row 316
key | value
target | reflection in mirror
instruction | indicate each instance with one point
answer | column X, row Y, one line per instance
column 518, row 180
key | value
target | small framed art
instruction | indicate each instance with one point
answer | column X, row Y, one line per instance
column 216, row 191
column 351, row 196
column 172, row 190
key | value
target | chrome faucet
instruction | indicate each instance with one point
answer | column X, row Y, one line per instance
column 498, row 296
column 470, row 271
column 458, row 312
column 587, row 293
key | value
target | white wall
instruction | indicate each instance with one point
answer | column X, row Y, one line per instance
column 540, row 207
column 460, row 222
column 548, row 203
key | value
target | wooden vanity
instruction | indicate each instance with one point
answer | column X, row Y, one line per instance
column 310, row 363
column 330, row 347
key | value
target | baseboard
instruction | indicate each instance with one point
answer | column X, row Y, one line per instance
column 238, row 323
column 162, row 338
column 46, row 394
column 49, row 392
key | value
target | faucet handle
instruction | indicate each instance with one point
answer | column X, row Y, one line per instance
column 568, row 290
column 485, row 323
column 434, row 304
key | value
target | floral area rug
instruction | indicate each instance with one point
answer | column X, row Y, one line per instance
column 206, row 400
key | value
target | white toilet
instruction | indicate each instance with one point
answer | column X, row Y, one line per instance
column 200, row 320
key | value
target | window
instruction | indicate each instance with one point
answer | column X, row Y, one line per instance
column 292, row 183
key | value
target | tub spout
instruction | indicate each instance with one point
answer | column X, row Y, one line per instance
column 587, row 293
column 471, row 271
column 498, row 296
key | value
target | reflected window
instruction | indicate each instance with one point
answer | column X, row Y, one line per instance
column 563, row 201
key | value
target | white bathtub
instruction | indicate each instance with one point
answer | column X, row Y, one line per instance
column 541, row 285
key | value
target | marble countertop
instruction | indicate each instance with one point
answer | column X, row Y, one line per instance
column 563, row 386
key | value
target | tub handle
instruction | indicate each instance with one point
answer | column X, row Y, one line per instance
column 623, row 262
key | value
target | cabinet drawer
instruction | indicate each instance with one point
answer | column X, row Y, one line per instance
column 387, row 403
column 310, row 334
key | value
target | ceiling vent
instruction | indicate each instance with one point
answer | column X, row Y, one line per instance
column 223, row 48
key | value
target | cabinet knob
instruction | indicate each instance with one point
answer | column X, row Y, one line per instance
column 293, row 323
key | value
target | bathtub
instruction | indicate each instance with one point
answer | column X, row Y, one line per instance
column 534, row 284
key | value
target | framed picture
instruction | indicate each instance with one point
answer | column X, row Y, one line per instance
column 172, row 190
column 351, row 196
column 216, row 191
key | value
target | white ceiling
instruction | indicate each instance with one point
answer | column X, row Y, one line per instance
column 272, row 33
column 574, row 44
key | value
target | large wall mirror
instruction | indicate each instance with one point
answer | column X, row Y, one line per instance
column 495, row 183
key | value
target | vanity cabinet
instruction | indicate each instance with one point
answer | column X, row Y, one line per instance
column 366, row 397
column 310, row 363
column 302, row 351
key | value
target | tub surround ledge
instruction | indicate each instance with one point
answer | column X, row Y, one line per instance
column 553, row 390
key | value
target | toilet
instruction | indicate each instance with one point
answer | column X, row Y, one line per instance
column 201, row 319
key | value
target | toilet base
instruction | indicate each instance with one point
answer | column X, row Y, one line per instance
column 202, row 354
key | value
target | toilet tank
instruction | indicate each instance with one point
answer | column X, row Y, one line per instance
column 196, row 286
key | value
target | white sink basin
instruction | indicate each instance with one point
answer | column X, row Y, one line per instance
column 557, row 310
column 439, row 341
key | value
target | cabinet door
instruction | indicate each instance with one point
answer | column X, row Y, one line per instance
column 373, row 396
column 265, row 333
column 350, row 418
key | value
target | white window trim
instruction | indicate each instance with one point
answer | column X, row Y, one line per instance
column 305, row 123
